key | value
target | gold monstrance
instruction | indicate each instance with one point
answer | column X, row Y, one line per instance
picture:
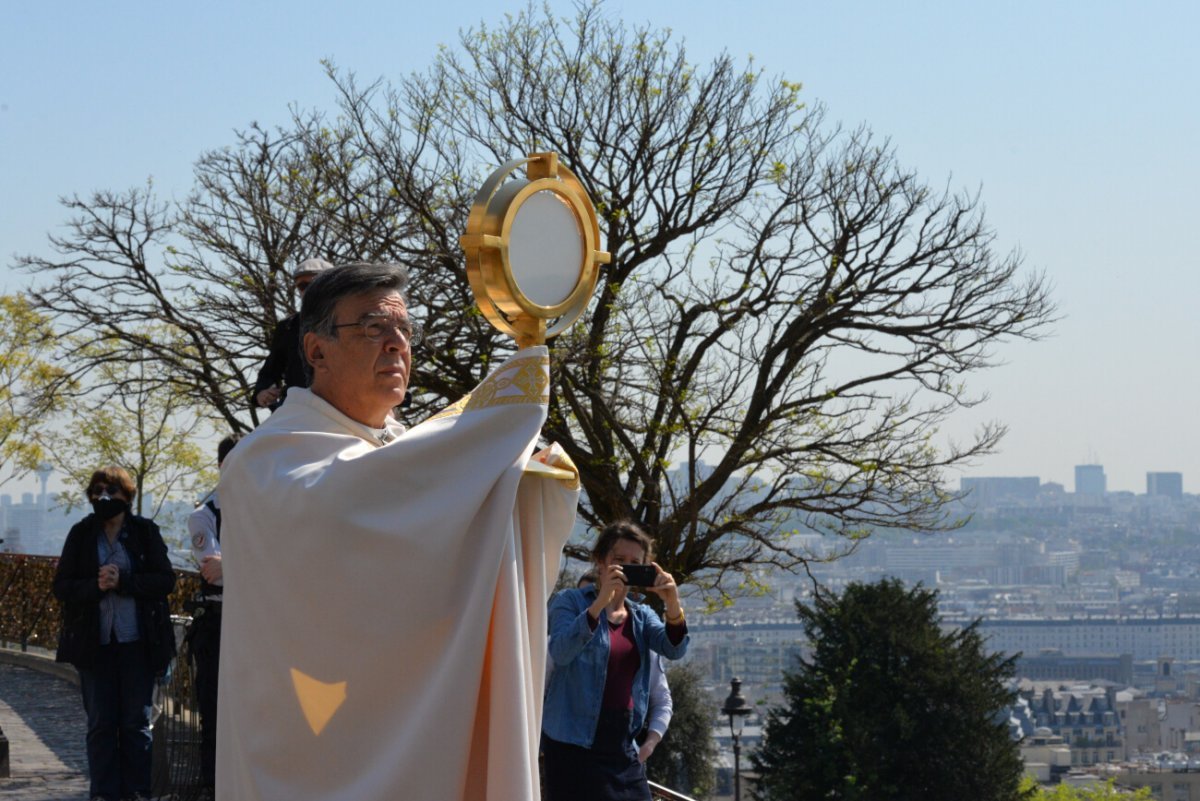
column 533, row 256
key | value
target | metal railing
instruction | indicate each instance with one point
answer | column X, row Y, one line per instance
column 29, row 612
column 176, row 769
column 30, row 615
column 667, row 794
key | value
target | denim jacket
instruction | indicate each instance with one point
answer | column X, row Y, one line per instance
column 580, row 654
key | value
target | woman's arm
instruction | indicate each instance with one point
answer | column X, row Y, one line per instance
column 73, row 582
column 570, row 631
column 670, row 641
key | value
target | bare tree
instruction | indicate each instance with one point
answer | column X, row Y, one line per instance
column 786, row 301
column 136, row 419
column 212, row 272
column 789, row 316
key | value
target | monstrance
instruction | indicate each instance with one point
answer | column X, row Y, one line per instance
column 533, row 256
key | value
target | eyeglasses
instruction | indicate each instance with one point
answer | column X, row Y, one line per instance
column 102, row 489
column 374, row 329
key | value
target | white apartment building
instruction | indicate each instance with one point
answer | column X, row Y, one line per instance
column 1144, row 638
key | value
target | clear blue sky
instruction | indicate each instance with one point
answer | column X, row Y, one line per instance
column 1078, row 120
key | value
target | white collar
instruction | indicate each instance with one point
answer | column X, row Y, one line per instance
column 375, row 436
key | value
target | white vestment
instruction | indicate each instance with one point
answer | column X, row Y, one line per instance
column 384, row 632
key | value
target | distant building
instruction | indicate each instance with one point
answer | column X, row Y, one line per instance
column 30, row 526
column 1052, row 664
column 758, row 653
column 990, row 490
column 1168, row 485
column 1085, row 718
column 1090, row 480
column 1143, row 637
column 1177, row 782
column 1168, row 729
column 27, row 522
column 1046, row 755
column 37, row 525
column 1027, row 575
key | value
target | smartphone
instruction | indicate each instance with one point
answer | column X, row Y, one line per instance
column 640, row 575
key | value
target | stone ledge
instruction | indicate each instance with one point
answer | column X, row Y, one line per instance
column 41, row 662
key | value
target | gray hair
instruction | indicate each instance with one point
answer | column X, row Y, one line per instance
column 330, row 286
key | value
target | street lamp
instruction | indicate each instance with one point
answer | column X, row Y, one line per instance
column 735, row 707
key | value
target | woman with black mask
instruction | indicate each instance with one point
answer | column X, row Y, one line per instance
column 113, row 579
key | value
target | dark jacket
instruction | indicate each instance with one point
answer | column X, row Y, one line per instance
column 150, row 581
column 285, row 362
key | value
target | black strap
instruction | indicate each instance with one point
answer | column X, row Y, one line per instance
column 205, row 587
column 212, row 507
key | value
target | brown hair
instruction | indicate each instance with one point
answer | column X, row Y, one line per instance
column 116, row 476
column 622, row 530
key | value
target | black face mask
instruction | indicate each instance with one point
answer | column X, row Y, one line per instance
column 107, row 508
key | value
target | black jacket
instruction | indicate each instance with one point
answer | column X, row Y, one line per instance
column 285, row 362
column 150, row 581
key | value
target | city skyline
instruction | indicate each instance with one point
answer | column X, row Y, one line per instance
column 29, row 484
column 1071, row 120
column 42, row 516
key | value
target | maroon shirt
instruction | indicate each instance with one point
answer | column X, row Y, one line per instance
column 624, row 660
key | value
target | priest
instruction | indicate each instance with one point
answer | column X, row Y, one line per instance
column 385, row 589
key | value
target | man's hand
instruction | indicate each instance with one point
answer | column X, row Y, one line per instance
column 210, row 568
column 108, row 577
column 268, row 396
column 652, row 739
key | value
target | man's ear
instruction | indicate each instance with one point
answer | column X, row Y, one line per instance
column 314, row 351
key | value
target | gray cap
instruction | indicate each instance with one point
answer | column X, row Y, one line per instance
column 311, row 267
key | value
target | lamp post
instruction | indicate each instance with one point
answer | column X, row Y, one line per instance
column 735, row 707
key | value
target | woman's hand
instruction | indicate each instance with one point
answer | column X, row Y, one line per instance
column 108, row 577
column 665, row 588
column 610, row 583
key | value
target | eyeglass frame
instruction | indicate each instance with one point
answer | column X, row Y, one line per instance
column 413, row 337
column 105, row 489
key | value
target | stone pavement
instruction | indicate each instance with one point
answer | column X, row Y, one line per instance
column 42, row 717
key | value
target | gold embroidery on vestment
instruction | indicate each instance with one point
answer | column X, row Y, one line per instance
column 529, row 376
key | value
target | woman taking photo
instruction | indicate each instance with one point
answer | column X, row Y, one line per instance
column 113, row 579
column 600, row 643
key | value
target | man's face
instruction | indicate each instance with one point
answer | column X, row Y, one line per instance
column 362, row 378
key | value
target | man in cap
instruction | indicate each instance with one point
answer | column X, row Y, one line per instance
column 284, row 367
